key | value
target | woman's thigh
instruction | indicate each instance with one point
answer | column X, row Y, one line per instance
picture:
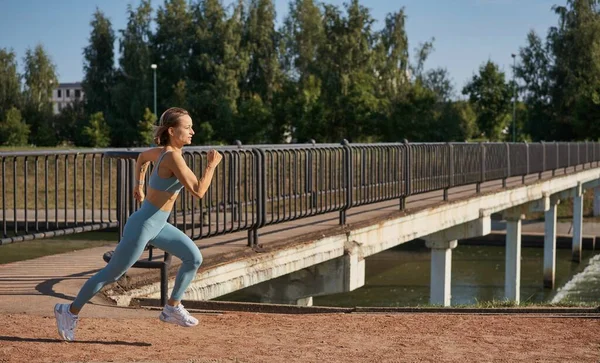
column 175, row 242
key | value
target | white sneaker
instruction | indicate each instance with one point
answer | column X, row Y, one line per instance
column 65, row 322
column 177, row 315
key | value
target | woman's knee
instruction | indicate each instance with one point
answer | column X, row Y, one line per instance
column 197, row 259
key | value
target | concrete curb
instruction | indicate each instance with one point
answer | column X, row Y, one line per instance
column 221, row 306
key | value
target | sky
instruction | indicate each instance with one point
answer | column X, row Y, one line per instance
column 467, row 33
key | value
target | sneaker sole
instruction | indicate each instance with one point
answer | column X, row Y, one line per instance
column 166, row 319
column 60, row 332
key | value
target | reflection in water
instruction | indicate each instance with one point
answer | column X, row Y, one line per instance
column 401, row 276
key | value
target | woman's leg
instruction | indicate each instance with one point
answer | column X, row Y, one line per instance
column 129, row 249
column 175, row 242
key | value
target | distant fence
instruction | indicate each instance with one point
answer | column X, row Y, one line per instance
column 46, row 194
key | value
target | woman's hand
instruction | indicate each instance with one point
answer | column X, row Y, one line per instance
column 214, row 158
column 138, row 193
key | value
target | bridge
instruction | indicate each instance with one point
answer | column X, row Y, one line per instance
column 297, row 221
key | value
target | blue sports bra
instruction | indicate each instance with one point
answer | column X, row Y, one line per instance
column 171, row 184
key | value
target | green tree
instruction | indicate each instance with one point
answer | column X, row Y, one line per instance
column 97, row 131
column 458, row 122
column 146, row 128
column 69, row 124
column 298, row 107
column 99, row 73
column 575, row 91
column 13, row 131
column 98, row 65
column 10, row 86
column 534, row 71
column 133, row 89
column 217, row 66
column 438, row 80
column 171, row 45
column 393, row 56
column 40, row 79
column 491, row 96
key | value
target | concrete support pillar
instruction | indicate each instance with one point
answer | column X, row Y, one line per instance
column 342, row 274
column 441, row 271
column 550, row 244
column 512, row 273
column 442, row 243
column 307, row 301
column 596, row 201
column 577, row 223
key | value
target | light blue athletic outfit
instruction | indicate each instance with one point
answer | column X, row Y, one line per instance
column 148, row 225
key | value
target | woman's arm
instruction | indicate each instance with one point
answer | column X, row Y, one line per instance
column 196, row 186
column 141, row 166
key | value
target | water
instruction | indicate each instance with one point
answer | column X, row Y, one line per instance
column 401, row 277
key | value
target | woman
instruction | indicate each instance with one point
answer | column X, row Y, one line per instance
column 149, row 223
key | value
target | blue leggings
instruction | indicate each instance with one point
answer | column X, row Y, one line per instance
column 147, row 225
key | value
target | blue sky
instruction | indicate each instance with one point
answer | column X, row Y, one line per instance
column 467, row 32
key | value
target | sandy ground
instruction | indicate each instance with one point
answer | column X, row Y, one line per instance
column 252, row 337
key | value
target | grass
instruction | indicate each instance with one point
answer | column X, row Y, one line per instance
column 27, row 250
column 501, row 304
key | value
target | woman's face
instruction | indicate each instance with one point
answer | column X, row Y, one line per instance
column 182, row 134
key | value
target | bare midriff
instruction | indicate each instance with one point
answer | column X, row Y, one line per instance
column 161, row 199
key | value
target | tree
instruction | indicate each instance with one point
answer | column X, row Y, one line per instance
column 146, row 128
column 575, row 89
column 97, row 131
column 40, row 79
column 69, row 124
column 346, row 71
column 438, row 80
column 13, row 131
column 297, row 109
column 491, row 96
column 534, row 70
column 133, row 89
column 392, row 56
column 10, row 86
column 458, row 122
column 171, row 45
column 98, row 67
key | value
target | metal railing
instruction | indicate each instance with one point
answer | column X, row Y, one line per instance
column 52, row 193
column 46, row 194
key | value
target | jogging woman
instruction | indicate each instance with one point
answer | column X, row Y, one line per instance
column 149, row 223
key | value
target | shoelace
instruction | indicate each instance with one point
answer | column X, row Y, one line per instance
column 186, row 314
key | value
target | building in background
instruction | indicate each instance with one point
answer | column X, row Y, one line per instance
column 66, row 94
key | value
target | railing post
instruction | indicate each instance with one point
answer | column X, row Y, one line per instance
column 407, row 174
column 450, row 170
column 259, row 184
column 482, row 168
column 557, row 158
column 507, row 175
column 527, row 157
column 543, row 160
column 347, row 170
column 568, row 157
column 586, row 154
column 312, row 196
column 121, row 195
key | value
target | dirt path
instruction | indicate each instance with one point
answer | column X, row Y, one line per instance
column 250, row 337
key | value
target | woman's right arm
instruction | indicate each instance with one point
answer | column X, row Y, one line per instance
column 141, row 166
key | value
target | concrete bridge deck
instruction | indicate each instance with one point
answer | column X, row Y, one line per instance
column 33, row 286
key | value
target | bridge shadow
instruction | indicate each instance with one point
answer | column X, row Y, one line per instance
column 48, row 340
column 47, row 287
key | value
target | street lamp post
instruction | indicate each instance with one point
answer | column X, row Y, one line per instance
column 153, row 66
column 514, row 100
